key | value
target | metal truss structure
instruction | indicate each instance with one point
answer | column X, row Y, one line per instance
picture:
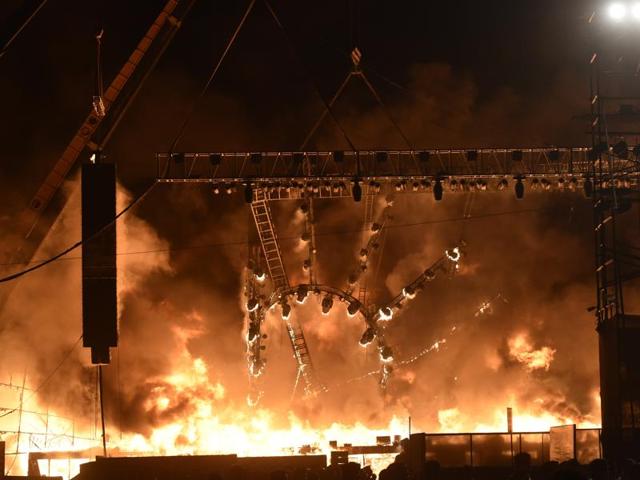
column 278, row 169
column 615, row 119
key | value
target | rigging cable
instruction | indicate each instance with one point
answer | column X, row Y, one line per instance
column 13, row 37
column 213, row 74
column 43, row 263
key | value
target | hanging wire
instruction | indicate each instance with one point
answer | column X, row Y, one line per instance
column 213, row 74
column 327, row 106
column 79, row 243
column 24, row 25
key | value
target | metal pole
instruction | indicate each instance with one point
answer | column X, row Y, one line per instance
column 104, row 437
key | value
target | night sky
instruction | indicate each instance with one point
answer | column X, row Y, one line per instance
column 48, row 74
column 453, row 73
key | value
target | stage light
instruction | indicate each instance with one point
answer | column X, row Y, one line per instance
column 305, row 237
column 535, row 184
column 561, row 183
column 381, row 157
column 573, row 184
column 286, row 310
column 437, row 190
column 260, row 274
column 228, row 189
column 453, row 255
column 356, row 190
column 306, row 265
column 409, row 293
column 252, row 304
column 301, row 294
column 519, row 188
column 385, row 314
column 386, row 354
column 216, row 189
column 546, row 185
column 367, row 337
column 252, row 333
column 453, row 185
column 587, row 188
column 353, row 308
column 621, row 150
column 426, row 185
column 376, row 227
column 415, row 186
column 364, row 253
column 248, row 193
column 215, row 159
column 502, row 184
column 617, row 11
column 327, row 303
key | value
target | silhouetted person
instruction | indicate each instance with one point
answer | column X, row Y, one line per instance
column 521, row 467
column 432, row 470
column 350, row 471
column 570, row 470
column 397, row 471
column 598, row 469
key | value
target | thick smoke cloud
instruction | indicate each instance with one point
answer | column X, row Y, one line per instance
column 180, row 301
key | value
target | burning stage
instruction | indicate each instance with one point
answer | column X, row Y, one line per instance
column 285, row 314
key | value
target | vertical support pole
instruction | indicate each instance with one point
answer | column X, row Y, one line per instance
column 101, row 391
column 2, row 463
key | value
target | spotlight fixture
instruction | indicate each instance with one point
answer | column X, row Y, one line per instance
column 385, row 314
column 248, row 193
column 353, row 308
column 621, row 150
column 215, row 159
column 573, row 184
column 216, row 189
column 301, row 294
column 519, row 188
column 376, row 227
column 409, row 293
column 356, row 190
column 286, row 310
column 327, row 303
column 386, row 354
column 535, row 184
column 228, row 189
column 517, row 156
column 415, row 186
column 252, row 304
column 587, row 188
column 252, row 333
column 453, row 185
column 367, row 337
column 502, row 184
column 437, row 190
column 546, row 185
column 561, row 183
column 260, row 274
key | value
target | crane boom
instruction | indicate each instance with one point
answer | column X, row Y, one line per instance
column 85, row 133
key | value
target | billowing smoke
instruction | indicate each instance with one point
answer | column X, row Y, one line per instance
column 526, row 275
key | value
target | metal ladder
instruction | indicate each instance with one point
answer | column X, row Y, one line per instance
column 369, row 202
column 271, row 249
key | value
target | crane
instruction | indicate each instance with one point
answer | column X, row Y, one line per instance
column 107, row 110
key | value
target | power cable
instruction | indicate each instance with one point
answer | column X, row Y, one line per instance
column 13, row 37
column 292, row 237
column 19, row 274
column 213, row 74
